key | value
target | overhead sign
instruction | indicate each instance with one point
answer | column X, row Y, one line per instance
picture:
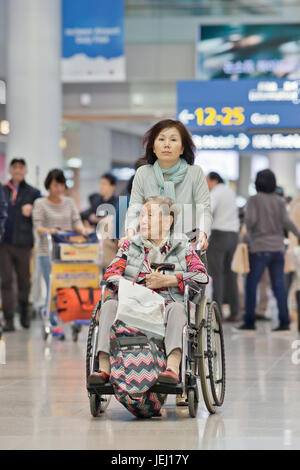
column 248, row 50
column 244, row 142
column 93, row 41
column 220, row 105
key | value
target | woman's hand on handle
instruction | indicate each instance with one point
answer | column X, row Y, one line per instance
column 202, row 240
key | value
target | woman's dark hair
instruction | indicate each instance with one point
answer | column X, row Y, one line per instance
column 56, row 175
column 265, row 181
column 213, row 175
column 150, row 136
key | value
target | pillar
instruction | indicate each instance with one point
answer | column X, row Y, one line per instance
column 283, row 164
column 95, row 152
column 34, row 85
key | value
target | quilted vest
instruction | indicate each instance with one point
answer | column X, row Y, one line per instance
column 176, row 256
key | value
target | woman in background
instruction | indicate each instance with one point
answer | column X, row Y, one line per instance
column 52, row 214
column 266, row 219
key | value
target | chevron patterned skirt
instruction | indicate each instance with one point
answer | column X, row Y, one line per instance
column 136, row 363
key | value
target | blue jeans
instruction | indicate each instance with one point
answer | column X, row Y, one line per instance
column 274, row 260
column 46, row 269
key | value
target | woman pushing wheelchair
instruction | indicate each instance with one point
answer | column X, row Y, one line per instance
column 155, row 244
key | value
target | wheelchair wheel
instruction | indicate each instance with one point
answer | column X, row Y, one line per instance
column 98, row 403
column 216, row 354
column 211, row 357
column 89, row 352
column 95, row 405
column 46, row 332
column 193, row 402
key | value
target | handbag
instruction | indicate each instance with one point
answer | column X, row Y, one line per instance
column 77, row 304
column 136, row 362
column 240, row 260
column 141, row 308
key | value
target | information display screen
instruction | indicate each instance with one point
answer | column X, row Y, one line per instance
column 249, row 50
column 222, row 105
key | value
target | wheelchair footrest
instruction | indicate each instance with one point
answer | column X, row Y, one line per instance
column 168, row 389
column 105, row 389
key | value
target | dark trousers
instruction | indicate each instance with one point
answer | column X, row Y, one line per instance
column 14, row 265
column 298, row 307
column 222, row 246
column 274, row 261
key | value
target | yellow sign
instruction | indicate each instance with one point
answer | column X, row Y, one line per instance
column 229, row 116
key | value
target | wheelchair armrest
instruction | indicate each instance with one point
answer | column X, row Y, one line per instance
column 109, row 286
column 195, row 291
column 195, row 286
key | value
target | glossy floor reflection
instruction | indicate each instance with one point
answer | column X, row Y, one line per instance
column 44, row 404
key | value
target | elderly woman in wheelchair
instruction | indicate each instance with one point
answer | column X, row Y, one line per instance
column 154, row 245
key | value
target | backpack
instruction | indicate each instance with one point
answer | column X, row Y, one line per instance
column 136, row 361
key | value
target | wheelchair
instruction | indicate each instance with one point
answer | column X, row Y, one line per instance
column 203, row 356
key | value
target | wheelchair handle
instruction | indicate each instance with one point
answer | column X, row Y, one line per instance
column 162, row 266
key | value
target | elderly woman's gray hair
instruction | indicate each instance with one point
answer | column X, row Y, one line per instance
column 166, row 204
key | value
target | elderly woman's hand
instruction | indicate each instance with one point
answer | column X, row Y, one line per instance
column 158, row 280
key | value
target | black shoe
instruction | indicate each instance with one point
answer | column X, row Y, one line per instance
column 282, row 328
column 24, row 315
column 244, row 327
column 25, row 321
column 9, row 325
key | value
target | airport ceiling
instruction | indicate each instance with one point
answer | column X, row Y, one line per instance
column 212, row 7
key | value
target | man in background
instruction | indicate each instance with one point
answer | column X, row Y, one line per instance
column 222, row 244
column 16, row 246
column 104, row 220
column 3, row 211
column 106, row 195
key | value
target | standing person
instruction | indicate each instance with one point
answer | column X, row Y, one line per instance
column 106, row 223
column 15, row 251
column 291, row 269
column 3, row 211
column 106, row 195
column 222, row 243
column 169, row 171
column 266, row 219
column 3, row 217
column 52, row 214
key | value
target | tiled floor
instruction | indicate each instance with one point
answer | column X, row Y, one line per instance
column 44, row 404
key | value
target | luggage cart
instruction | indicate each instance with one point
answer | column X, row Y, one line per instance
column 69, row 268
